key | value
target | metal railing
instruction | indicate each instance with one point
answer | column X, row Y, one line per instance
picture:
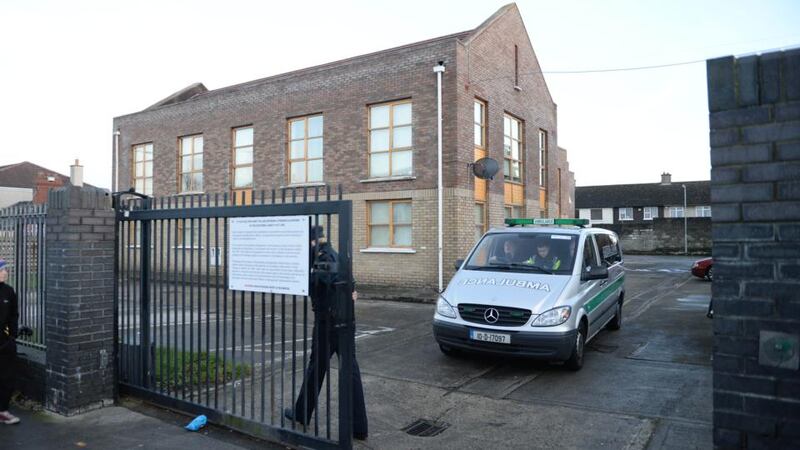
column 22, row 245
column 188, row 342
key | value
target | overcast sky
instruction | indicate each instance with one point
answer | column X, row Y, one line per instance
column 67, row 68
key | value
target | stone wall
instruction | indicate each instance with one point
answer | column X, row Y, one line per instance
column 663, row 236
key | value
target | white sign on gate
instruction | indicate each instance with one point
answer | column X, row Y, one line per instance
column 269, row 254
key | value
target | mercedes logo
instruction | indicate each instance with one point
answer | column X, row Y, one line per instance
column 491, row 315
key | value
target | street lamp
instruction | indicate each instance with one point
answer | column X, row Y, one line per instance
column 685, row 227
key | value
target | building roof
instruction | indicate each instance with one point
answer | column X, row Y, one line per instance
column 25, row 175
column 647, row 194
column 198, row 90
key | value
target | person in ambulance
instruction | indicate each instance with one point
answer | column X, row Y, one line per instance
column 569, row 285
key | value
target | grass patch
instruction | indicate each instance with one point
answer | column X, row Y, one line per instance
column 191, row 370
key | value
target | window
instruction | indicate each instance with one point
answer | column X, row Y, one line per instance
column 390, row 223
column 543, row 158
column 675, row 212
column 243, row 158
column 609, row 248
column 596, row 214
column 512, row 143
column 626, row 214
column 305, row 149
column 650, row 212
column 190, row 164
column 702, row 211
column 480, row 220
column 390, row 139
column 143, row 168
column 589, row 254
column 189, row 233
column 480, row 124
column 513, row 212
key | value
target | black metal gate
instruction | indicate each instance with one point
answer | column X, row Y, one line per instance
column 186, row 341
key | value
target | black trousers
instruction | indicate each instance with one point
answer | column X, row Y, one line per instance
column 7, row 379
column 325, row 342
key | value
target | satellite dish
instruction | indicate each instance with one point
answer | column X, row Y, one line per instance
column 485, row 168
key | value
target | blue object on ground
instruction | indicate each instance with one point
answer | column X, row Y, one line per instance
column 198, row 422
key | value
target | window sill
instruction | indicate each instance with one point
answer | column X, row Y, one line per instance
column 179, row 194
column 295, row 185
column 187, row 247
column 398, row 178
column 387, row 250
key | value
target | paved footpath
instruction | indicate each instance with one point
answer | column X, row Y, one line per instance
column 120, row 428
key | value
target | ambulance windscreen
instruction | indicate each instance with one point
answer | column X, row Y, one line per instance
column 549, row 253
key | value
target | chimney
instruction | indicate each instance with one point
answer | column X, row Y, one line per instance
column 76, row 174
column 666, row 178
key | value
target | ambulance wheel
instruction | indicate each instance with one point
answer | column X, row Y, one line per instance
column 616, row 322
column 575, row 361
column 447, row 350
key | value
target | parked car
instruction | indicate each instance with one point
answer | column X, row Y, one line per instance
column 703, row 268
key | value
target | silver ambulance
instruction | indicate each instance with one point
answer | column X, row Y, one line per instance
column 538, row 288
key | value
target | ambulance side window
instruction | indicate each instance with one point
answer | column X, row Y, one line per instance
column 589, row 254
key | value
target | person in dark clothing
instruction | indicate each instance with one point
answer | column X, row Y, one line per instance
column 325, row 339
column 9, row 316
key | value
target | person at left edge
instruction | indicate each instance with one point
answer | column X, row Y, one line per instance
column 9, row 317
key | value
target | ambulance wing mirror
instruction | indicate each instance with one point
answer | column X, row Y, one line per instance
column 485, row 168
column 594, row 273
column 458, row 263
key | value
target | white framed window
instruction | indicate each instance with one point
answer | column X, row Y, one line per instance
column 512, row 149
column 675, row 212
column 626, row 214
column 190, row 164
column 513, row 212
column 143, row 168
column 542, row 158
column 390, row 139
column 389, row 223
column 480, row 219
column 650, row 212
column 702, row 211
column 243, row 158
column 596, row 214
column 305, row 149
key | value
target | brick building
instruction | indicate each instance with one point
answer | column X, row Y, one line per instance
column 369, row 123
column 644, row 202
column 37, row 179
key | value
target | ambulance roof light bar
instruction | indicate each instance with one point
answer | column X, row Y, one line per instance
column 573, row 222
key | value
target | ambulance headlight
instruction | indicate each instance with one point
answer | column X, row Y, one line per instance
column 553, row 317
column 444, row 309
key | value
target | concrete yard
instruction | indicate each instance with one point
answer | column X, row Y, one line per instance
column 645, row 386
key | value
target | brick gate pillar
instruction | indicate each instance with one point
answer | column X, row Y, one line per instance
column 80, row 314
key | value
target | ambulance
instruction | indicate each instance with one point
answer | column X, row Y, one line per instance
column 538, row 288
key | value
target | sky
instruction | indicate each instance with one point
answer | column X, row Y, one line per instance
column 68, row 68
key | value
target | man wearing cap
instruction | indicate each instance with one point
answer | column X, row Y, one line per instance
column 9, row 316
column 325, row 339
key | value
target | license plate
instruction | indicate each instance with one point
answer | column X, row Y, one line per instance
column 496, row 338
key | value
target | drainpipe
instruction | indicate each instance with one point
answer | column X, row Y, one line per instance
column 439, row 70
column 116, row 160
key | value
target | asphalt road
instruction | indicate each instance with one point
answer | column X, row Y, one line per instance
column 646, row 386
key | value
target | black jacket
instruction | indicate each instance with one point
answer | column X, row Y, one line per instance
column 9, row 318
column 325, row 275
